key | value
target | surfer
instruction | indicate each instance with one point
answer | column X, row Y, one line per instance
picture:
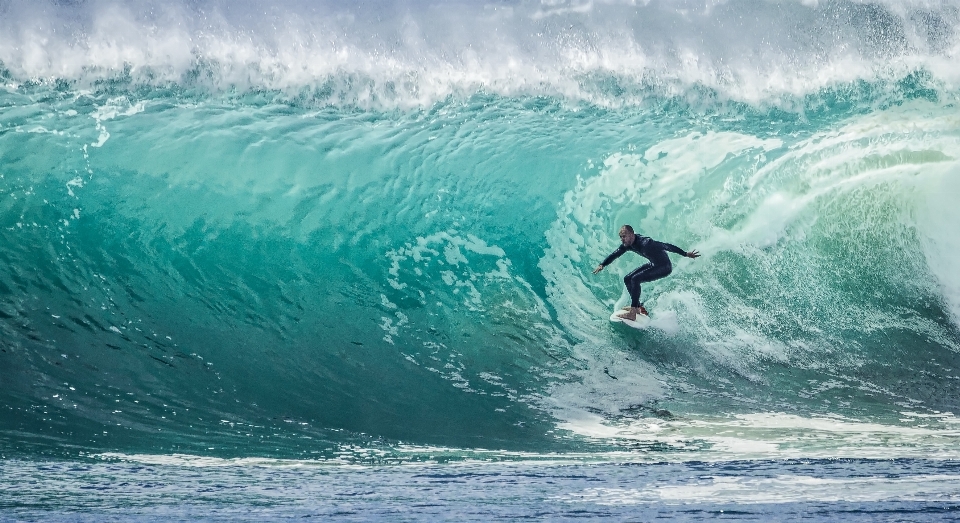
column 658, row 267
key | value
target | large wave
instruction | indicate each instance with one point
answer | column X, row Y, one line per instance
column 295, row 229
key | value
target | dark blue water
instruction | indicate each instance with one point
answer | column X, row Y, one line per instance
column 808, row 490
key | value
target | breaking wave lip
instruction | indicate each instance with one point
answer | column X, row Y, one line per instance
column 408, row 54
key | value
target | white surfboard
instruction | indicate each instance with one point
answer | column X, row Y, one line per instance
column 642, row 321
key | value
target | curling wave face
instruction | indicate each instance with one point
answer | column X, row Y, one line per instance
column 304, row 230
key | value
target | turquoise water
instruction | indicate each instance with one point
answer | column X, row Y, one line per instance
column 334, row 235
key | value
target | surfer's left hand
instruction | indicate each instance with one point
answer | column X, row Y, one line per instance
column 693, row 254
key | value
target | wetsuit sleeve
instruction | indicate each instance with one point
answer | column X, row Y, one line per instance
column 614, row 255
column 673, row 248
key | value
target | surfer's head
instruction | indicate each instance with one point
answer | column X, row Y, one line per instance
column 627, row 235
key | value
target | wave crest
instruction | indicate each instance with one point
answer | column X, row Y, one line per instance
column 406, row 54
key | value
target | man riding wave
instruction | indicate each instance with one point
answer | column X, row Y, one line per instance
column 658, row 267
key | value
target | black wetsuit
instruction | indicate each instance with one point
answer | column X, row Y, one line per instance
column 658, row 267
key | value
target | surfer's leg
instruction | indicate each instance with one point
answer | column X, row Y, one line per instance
column 633, row 281
column 656, row 272
column 643, row 274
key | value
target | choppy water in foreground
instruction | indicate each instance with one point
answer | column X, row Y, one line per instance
column 153, row 488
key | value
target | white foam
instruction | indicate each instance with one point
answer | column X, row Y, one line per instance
column 781, row 489
column 752, row 437
column 409, row 54
column 771, row 435
column 938, row 218
column 749, row 437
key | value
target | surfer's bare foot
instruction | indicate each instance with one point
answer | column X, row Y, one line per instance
column 630, row 314
column 636, row 310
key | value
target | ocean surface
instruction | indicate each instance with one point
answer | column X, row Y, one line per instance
column 333, row 260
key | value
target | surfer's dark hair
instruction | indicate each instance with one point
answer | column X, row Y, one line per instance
column 627, row 227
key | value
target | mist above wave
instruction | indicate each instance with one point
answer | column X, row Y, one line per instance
column 408, row 54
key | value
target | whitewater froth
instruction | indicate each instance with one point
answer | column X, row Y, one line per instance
column 410, row 55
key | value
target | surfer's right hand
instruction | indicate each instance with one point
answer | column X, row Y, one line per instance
column 598, row 269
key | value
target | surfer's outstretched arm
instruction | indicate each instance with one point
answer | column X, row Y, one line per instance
column 614, row 255
column 609, row 259
column 677, row 250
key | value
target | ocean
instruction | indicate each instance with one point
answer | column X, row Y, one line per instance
column 333, row 260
